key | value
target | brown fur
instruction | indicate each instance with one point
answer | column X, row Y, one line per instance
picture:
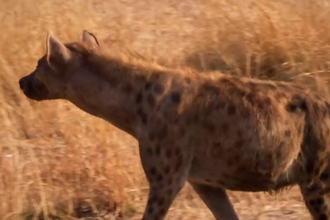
column 215, row 131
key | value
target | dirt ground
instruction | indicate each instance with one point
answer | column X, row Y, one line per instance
column 56, row 159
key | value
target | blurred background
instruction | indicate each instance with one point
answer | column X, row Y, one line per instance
column 57, row 162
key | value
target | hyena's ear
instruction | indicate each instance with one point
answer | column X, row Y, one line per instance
column 89, row 40
column 57, row 53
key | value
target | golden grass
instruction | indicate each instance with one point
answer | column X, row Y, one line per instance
column 53, row 156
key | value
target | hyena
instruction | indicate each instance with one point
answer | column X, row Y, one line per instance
column 216, row 131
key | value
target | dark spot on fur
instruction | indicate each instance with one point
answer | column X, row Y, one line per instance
column 151, row 135
column 179, row 163
column 163, row 132
column 224, row 127
column 245, row 113
column 149, row 151
column 319, row 201
column 176, row 97
column 209, row 126
column 182, row 132
column 147, row 86
column 188, row 121
column 309, row 168
column 138, row 98
column 217, row 145
column 151, row 101
column 159, row 89
column 150, row 209
column 157, row 151
column 153, row 171
column 155, row 76
column 169, row 182
column 278, row 154
column 239, row 143
column 236, row 157
column 196, row 118
column 241, row 168
column 324, row 176
column 220, row 104
column 128, row 88
column 142, row 115
column 291, row 107
column 153, row 199
column 287, row 133
column 235, row 91
column 253, row 86
column 260, row 104
column 208, row 110
column 161, row 201
column 231, row 110
column 167, row 169
column 113, row 80
column 297, row 102
column 311, row 202
column 251, row 98
column 212, row 92
column 177, row 151
column 227, row 176
column 268, row 101
column 323, row 217
column 316, row 209
column 187, row 80
column 159, row 178
column 162, row 212
column 168, row 153
column 241, row 92
column 127, row 121
column 254, row 100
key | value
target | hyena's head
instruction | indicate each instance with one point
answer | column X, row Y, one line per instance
column 52, row 75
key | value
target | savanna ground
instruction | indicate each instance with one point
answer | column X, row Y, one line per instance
column 56, row 160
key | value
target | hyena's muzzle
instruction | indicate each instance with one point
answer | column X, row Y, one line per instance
column 33, row 88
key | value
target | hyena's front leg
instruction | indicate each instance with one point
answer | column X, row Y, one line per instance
column 166, row 168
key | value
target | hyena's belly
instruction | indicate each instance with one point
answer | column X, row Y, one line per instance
column 242, row 174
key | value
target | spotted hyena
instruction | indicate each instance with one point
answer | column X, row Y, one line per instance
column 215, row 131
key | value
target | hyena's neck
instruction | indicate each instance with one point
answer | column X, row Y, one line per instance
column 115, row 92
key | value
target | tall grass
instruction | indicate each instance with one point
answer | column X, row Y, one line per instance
column 55, row 159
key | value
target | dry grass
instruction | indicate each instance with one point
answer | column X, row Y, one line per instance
column 53, row 156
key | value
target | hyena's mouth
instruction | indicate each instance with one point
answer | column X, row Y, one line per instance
column 33, row 89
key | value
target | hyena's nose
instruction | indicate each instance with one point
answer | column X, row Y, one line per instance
column 21, row 83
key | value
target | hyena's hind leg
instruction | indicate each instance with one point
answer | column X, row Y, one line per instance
column 216, row 200
column 316, row 194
